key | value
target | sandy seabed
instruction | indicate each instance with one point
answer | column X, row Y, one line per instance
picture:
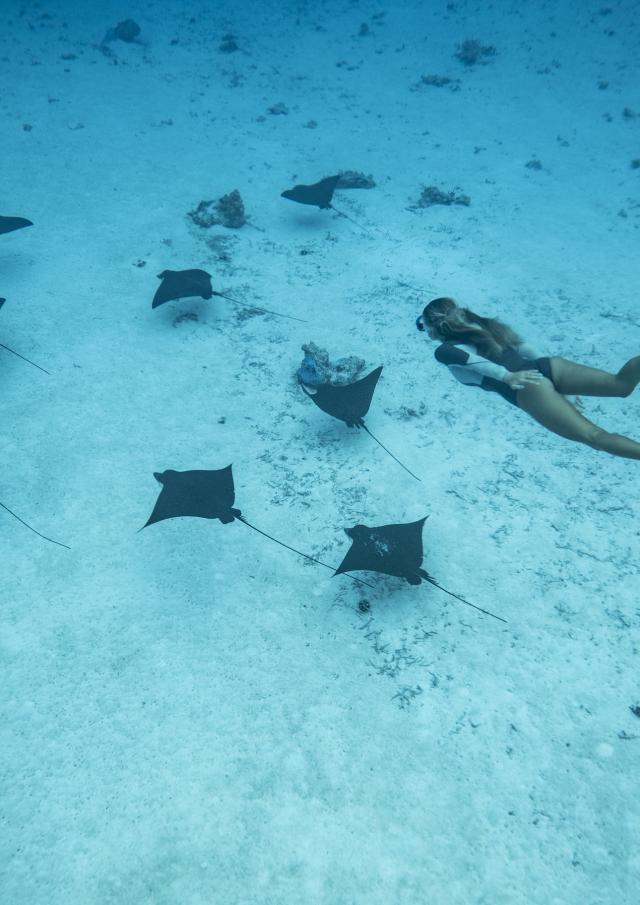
column 192, row 714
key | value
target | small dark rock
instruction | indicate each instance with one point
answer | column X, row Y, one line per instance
column 228, row 44
column 351, row 179
column 187, row 316
column 364, row 606
column 221, row 247
column 439, row 81
column 231, row 210
column 204, row 215
column 635, row 709
column 279, row 109
column 432, row 195
column 533, row 165
column 471, row 52
column 312, row 124
column 127, row 31
column 228, row 210
column 317, row 369
column 407, row 413
column 635, row 164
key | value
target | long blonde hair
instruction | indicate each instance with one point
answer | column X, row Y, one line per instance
column 461, row 325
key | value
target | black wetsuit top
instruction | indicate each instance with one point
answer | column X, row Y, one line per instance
column 473, row 369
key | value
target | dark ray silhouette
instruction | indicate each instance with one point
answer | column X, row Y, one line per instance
column 393, row 550
column 319, row 195
column 206, row 494
column 350, row 403
column 196, row 494
column 10, row 224
column 181, row 284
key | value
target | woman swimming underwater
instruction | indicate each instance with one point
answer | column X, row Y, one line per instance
column 484, row 352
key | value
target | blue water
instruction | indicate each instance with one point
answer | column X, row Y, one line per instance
column 193, row 714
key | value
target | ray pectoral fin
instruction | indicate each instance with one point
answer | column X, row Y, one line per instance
column 10, row 224
column 319, row 194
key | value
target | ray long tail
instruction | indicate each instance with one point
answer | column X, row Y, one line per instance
column 390, row 453
column 258, row 308
column 350, row 219
column 457, row 596
column 28, row 360
column 44, row 536
column 299, row 552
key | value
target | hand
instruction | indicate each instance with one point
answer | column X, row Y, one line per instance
column 519, row 379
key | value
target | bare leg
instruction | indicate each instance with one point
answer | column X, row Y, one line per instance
column 573, row 378
column 549, row 408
